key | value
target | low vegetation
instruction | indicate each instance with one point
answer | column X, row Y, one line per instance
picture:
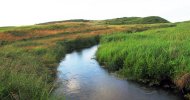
column 158, row 57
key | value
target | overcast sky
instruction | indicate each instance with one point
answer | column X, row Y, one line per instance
column 27, row 12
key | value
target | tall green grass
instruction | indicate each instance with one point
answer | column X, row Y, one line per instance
column 29, row 74
column 22, row 76
column 152, row 56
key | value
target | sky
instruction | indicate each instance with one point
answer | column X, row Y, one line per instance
column 28, row 12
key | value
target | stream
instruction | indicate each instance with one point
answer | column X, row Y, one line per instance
column 80, row 77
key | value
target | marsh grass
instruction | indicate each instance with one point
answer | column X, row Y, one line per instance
column 22, row 76
column 152, row 56
column 29, row 74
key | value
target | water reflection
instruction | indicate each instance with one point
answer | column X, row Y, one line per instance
column 82, row 78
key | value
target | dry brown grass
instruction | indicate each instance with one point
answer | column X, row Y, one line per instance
column 183, row 81
column 73, row 28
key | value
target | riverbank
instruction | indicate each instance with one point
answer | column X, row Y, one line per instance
column 80, row 77
column 157, row 57
column 31, row 74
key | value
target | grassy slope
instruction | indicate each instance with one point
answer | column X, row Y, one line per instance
column 29, row 54
column 154, row 56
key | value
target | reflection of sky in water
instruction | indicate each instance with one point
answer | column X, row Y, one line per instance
column 73, row 86
column 82, row 78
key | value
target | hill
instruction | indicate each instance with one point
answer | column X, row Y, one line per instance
column 71, row 20
column 117, row 21
column 136, row 20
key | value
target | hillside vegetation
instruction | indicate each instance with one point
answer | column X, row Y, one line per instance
column 135, row 20
column 29, row 54
column 158, row 57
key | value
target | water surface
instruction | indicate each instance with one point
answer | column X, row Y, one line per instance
column 80, row 77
